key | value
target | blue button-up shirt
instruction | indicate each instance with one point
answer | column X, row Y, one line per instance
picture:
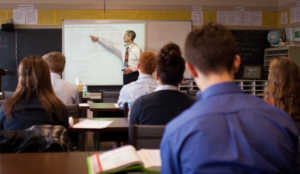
column 227, row 131
column 144, row 85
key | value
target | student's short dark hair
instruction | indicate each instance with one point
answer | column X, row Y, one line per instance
column 210, row 48
column 170, row 65
column 131, row 34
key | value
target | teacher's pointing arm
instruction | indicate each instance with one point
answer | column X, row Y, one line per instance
column 107, row 44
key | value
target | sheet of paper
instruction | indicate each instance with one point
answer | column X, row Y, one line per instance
column 293, row 16
column 239, row 8
column 284, row 18
column 31, row 16
column 92, row 124
column 234, row 18
column 298, row 14
column 197, row 17
column 289, row 34
column 222, row 17
column 19, row 16
column 256, row 18
column 245, row 18
column 83, row 104
column 297, row 34
column 197, row 7
column 116, row 105
column 26, row 6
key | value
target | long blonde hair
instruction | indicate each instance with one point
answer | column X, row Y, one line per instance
column 283, row 88
column 34, row 77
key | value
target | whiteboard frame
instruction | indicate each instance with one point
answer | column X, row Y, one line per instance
column 106, row 21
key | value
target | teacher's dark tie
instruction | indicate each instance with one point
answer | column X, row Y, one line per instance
column 126, row 56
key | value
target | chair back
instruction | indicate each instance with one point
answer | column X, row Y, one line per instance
column 126, row 110
column 7, row 94
column 146, row 136
column 2, row 102
column 73, row 110
column 110, row 96
column 192, row 92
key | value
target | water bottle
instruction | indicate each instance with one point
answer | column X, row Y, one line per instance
column 130, row 102
column 84, row 89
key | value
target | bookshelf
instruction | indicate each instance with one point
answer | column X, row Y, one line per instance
column 253, row 87
column 292, row 52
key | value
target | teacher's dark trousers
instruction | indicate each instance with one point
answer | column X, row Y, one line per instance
column 128, row 78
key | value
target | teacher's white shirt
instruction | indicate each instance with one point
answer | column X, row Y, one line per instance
column 134, row 53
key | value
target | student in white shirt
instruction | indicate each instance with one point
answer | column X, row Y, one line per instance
column 145, row 83
column 130, row 54
column 65, row 91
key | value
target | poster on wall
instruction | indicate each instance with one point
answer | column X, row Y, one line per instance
column 297, row 34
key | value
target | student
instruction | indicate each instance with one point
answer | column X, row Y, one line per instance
column 161, row 106
column 283, row 87
column 65, row 91
column 226, row 131
column 34, row 101
column 145, row 83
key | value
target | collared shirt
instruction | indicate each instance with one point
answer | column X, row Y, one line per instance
column 227, row 131
column 65, row 91
column 144, row 85
column 134, row 53
column 167, row 87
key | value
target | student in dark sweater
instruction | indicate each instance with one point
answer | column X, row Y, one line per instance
column 161, row 106
column 34, row 101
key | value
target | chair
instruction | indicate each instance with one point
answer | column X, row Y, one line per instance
column 73, row 110
column 126, row 110
column 192, row 92
column 40, row 138
column 110, row 96
column 7, row 94
column 2, row 102
column 146, row 136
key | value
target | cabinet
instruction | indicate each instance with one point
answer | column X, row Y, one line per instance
column 292, row 52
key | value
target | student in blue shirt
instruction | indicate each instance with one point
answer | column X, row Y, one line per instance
column 226, row 131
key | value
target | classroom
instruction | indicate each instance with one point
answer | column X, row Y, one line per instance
column 169, row 86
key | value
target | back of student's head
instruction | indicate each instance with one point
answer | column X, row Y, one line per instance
column 170, row 65
column 284, row 86
column 56, row 61
column 210, row 48
column 147, row 62
column 34, row 79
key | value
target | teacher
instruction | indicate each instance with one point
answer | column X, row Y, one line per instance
column 130, row 55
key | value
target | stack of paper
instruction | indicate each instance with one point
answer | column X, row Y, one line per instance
column 92, row 124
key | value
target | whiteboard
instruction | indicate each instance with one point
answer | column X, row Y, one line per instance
column 158, row 34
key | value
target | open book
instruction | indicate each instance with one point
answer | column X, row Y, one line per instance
column 124, row 159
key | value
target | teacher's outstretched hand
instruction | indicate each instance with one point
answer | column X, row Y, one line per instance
column 94, row 38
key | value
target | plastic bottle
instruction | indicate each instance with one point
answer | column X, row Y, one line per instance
column 130, row 103
column 84, row 89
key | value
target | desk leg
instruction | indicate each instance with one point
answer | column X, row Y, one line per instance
column 82, row 141
column 96, row 141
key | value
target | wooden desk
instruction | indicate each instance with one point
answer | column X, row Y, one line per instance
column 92, row 97
column 46, row 163
column 116, row 131
column 105, row 110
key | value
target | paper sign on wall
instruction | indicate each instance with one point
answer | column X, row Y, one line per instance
column 31, row 16
column 234, row 18
column 197, row 8
column 283, row 18
column 19, row 16
column 197, row 17
column 222, row 17
column 245, row 18
column 239, row 8
column 26, row 6
column 293, row 15
column 256, row 17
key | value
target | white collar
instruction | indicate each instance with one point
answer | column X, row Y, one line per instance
column 55, row 76
column 167, row 87
column 131, row 45
column 142, row 76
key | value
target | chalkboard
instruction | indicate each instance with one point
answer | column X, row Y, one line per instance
column 251, row 46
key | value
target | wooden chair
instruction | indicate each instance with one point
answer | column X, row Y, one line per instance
column 146, row 136
column 73, row 110
column 110, row 96
column 7, row 94
column 192, row 92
